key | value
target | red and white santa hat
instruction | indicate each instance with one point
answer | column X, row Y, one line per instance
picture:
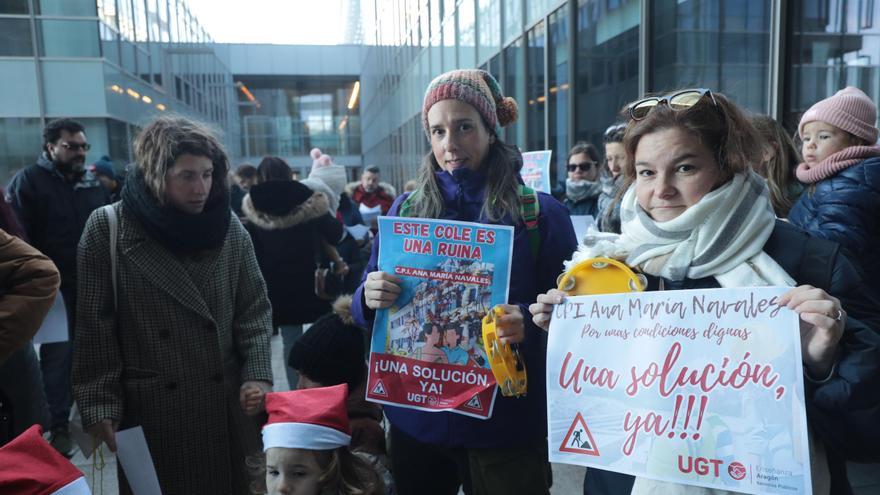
column 30, row 466
column 313, row 419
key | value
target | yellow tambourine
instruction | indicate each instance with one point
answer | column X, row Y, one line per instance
column 506, row 363
column 596, row 276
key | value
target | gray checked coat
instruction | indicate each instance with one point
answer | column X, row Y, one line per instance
column 187, row 333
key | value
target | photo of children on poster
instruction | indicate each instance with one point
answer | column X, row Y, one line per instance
column 427, row 350
column 700, row 387
column 535, row 172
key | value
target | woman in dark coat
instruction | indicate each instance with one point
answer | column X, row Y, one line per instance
column 286, row 221
column 173, row 320
column 471, row 175
column 697, row 218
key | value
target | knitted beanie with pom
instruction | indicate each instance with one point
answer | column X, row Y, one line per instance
column 478, row 89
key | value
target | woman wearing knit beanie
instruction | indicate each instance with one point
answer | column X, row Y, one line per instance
column 471, row 175
column 842, row 167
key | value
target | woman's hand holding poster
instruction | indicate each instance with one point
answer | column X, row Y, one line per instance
column 700, row 387
column 427, row 349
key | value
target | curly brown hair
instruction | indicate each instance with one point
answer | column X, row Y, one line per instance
column 720, row 125
column 165, row 139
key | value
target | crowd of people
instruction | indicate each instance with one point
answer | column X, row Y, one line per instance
column 175, row 275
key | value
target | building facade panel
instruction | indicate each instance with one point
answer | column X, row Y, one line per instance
column 573, row 65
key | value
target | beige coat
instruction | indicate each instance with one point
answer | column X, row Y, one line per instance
column 187, row 333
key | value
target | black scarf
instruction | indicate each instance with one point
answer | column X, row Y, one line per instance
column 179, row 232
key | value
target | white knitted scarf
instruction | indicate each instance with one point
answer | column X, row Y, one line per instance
column 721, row 236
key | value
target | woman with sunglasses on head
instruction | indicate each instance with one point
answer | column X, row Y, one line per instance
column 582, row 186
column 612, row 183
column 471, row 175
column 696, row 217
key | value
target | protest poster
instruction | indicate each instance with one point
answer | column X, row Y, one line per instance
column 700, row 387
column 582, row 224
column 54, row 327
column 536, row 170
column 427, row 349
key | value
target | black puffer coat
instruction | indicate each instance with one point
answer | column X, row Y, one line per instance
column 845, row 208
column 286, row 222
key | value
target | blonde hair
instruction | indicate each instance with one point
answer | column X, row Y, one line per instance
column 158, row 146
column 778, row 170
column 342, row 473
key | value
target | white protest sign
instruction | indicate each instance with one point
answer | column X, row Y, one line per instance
column 54, row 327
column 535, row 172
column 582, row 224
column 134, row 455
column 699, row 387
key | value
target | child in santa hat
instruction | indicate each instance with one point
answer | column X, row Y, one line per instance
column 30, row 466
column 306, row 446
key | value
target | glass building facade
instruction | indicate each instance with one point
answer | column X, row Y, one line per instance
column 572, row 65
column 287, row 116
column 111, row 64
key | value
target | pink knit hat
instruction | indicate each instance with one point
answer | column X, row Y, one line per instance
column 478, row 89
column 849, row 109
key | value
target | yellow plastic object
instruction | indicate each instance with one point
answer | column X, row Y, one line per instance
column 600, row 276
column 506, row 363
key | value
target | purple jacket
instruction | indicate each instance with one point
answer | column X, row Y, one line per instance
column 514, row 421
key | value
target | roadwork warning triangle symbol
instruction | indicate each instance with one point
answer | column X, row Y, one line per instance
column 474, row 403
column 579, row 440
column 379, row 389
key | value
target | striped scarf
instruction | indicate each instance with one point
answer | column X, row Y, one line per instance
column 721, row 236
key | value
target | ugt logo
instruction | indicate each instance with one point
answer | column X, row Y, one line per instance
column 699, row 465
column 703, row 466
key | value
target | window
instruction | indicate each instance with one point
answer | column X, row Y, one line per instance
column 513, row 19
column 449, row 62
column 515, row 87
column 15, row 38
column 713, row 44
column 559, row 91
column 84, row 8
column 107, row 11
column 535, row 10
column 466, row 35
column 833, row 45
column 20, row 139
column 537, row 100
column 607, row 65
column 14, row 7
column 68, row 38
column 489, row 20
column 109, row 43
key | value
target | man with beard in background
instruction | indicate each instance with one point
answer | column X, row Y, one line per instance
column 53, row 199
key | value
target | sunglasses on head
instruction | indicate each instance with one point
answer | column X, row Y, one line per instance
column 76, row 146
column 584, row 167
column 680, row 100
column 614, row 129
